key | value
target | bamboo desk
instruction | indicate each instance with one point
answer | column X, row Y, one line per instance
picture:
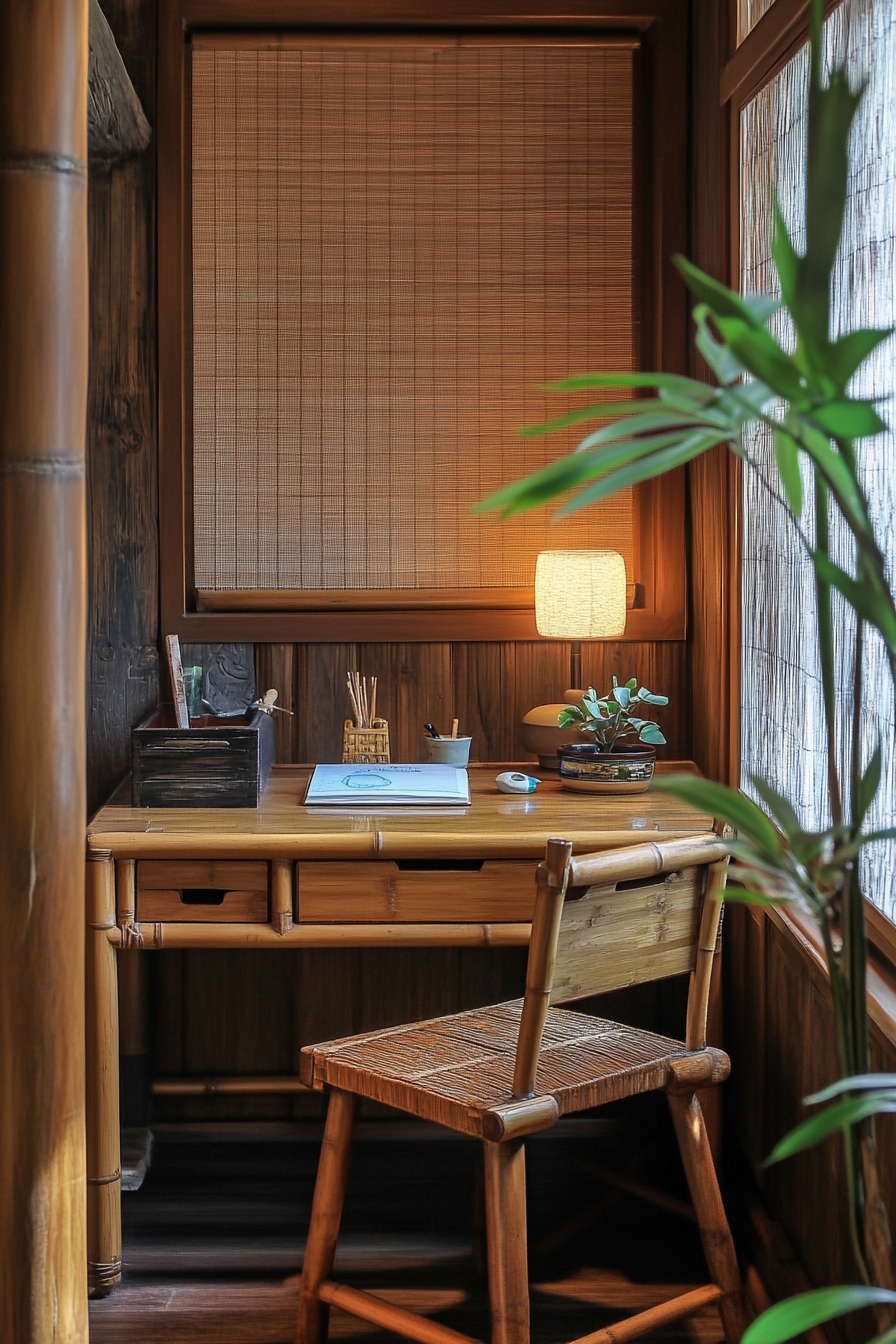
column 285, row 875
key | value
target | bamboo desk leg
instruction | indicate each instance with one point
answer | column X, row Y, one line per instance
column 103, row 1143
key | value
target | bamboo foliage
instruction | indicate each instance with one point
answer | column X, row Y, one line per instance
column 816, row 432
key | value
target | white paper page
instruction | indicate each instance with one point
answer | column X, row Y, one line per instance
column 385, row 783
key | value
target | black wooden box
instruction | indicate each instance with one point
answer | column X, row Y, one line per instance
column 215, row 763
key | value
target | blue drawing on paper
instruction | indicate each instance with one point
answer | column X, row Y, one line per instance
column 363, row 781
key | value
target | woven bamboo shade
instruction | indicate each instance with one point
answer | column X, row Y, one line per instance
column 393, row 246
column 783, row 737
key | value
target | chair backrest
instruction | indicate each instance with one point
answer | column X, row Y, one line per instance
column 621, row 917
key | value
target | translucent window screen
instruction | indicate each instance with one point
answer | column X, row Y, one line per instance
column 782, row 718
column 749, row 12
column 392, row 250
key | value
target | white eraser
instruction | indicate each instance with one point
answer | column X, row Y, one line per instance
column 511, row 781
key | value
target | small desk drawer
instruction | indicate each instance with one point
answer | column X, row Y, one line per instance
column 415, row 893
column 200, row 891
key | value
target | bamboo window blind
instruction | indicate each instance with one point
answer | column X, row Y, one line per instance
column 393, row 246
column 782, row 716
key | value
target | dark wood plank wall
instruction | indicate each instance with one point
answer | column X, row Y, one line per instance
column 122, row 444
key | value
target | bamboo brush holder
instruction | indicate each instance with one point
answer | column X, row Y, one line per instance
column 366, row 746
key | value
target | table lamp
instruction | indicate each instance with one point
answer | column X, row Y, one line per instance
column 578, row 595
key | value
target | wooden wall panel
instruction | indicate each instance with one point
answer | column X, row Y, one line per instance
column 122, row 494
column 780, row 1036
column 488, row 687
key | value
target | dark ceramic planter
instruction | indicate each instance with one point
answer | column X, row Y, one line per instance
column 585, row 769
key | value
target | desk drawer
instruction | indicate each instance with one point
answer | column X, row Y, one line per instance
column 200, row 891
column 410, row 893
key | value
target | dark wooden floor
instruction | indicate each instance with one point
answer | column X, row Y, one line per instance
column 213, row 1240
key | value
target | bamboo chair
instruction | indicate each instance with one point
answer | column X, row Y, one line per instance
column 602, row 921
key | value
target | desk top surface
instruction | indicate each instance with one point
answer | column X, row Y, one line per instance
column 493, row 822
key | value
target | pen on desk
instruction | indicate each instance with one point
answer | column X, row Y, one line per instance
column 433, row 732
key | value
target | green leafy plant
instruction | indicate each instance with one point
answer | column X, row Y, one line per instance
column 801, row 397
column 612, row 717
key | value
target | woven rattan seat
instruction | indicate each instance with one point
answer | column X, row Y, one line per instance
column 458, row 1070
column 601, row 921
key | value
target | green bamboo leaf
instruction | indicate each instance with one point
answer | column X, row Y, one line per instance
column 675, row 382
column 834, row 470
column 779, row 807
column 845, row 854
column 843, row 357
column 787, row 459
column 856, row 1082
column 722, row 301
column 870, row 605
column 849, row 419
column 649, row 423
column 762, row 356
column 868, row 786
column 797, row 1314
column 725, row 805
column 787, row 263
column 719, row 358
column 839, row 1116
column 689, row 446
column 605, row 409
column 559, row 477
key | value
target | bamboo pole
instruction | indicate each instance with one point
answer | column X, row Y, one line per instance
column 43, row 397
column 281, row 896
column 103, row 1140
column 155, row 936
column 270, row 845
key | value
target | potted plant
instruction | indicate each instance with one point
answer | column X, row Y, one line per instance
column 602, row 766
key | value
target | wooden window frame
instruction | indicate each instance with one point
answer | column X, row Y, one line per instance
column 661, row 230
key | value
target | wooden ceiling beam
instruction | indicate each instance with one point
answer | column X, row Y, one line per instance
column 116, row 124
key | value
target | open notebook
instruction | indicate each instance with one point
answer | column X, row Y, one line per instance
column 363, row 785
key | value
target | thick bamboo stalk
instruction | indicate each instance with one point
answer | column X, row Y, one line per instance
column 551, row 892
column 103, row 1143
column 698, row 992
column 155, row 936
column 646, row 859
column 389, row 1316
column 654, row 1318
column 43, row 395
column 281, row 895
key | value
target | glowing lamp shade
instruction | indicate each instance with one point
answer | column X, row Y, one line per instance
column 580, row 595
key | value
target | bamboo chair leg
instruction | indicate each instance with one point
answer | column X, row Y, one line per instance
column 718, row 1245
column 505, row 1219
column 326, row 1212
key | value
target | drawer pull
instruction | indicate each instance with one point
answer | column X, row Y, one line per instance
column 202, row 895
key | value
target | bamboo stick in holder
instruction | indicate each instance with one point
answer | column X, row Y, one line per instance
column 366, row 740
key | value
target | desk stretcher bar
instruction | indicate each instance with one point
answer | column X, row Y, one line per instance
column 361, row 845
column 155, row 936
